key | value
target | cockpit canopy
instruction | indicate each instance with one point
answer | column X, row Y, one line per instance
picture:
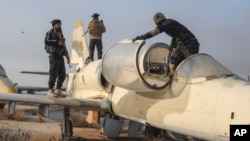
column 201, row 65
column 2, row 71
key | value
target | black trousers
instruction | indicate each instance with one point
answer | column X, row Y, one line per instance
column 95, row 43
column 184, row 50
column 57, row 71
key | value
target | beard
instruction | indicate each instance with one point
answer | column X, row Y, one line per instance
column 58, row 29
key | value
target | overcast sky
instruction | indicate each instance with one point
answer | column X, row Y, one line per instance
column 221, row 26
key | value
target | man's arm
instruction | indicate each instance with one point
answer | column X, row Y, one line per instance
column 103, row 26
column 49, row 40
column 148, row 35
column 67, row 57
column 61, row 40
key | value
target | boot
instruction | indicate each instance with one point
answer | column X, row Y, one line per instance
column 172, row 70
column 58, row 93
column 51, row 93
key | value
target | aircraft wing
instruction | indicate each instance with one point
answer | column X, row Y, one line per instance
column 90, row 104
column 30, row 89
column 36, row 72
column 33, row 89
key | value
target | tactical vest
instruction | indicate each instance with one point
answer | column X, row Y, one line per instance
column 95, row 29
column 52, row 49
column 49, row 48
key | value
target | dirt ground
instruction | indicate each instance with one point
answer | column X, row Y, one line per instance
column 49, row 129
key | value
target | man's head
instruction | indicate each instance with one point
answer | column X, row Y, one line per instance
column 95, row 15
column 158, row 17
column 56, row 24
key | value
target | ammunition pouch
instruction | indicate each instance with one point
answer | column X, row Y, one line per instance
column 50, row 49
column 55, row 50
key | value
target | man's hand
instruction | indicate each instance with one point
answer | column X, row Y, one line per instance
column 60, row 43
column 67, row 57
column 137, row 38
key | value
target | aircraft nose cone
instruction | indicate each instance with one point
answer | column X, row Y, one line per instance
column 6, row 86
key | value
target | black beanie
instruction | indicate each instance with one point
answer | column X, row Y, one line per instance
column 95, row 15
column 55, row 22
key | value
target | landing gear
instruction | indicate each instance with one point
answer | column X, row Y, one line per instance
column 2, row 106
column 156, row 134
column 67, row 128
column 151, row 133
column 111, row 126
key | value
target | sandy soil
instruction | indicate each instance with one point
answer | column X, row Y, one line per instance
column 49, row 129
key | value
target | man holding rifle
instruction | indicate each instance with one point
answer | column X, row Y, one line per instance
column 95, row 29
column 55, row 47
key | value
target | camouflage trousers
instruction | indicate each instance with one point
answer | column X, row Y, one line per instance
column 98, row 44
column 184, row 50
column 56, row 71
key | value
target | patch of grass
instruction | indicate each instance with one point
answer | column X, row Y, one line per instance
column 40, row 118
column 78, row 120
column 19, row 115
column 7, row 134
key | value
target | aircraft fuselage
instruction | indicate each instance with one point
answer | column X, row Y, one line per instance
column 204, row 109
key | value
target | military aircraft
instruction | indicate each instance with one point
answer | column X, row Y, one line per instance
column 7, row 86
column 130, row 82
